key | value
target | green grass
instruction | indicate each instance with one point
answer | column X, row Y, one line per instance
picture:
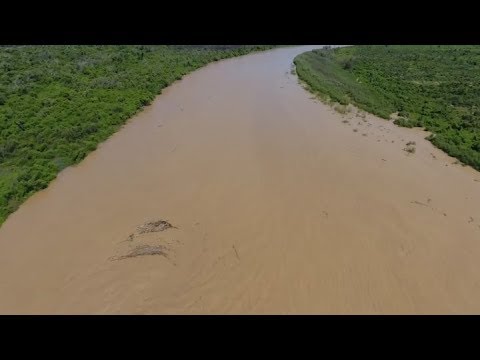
column 434, row 87
column 57, row 103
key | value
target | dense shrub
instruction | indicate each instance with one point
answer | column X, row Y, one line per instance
column 58, row 102
column 435, row 87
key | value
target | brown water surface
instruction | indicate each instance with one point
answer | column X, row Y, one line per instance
column 280, row 207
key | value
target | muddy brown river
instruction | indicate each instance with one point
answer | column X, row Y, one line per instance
column 279, row 205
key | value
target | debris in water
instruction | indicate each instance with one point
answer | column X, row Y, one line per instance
column 154, row 226
column 418, row 203
column 410, row 149
column 143, row 250
column 236, row 252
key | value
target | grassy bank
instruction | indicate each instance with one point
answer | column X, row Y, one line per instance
column 434, row 87
column 57, row 103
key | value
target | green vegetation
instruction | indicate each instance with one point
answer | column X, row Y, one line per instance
column 434, row 87
column 58, row 102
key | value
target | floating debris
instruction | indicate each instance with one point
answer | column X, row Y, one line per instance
column 154, row 226
column 418, row 203
column 143, row 250
column 410, row 149
column 236, row 252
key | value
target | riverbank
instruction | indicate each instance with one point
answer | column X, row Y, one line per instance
column 432, row 87
column 276, row 206
column 57, row 103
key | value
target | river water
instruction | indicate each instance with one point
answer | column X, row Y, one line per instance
column 279, row 207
